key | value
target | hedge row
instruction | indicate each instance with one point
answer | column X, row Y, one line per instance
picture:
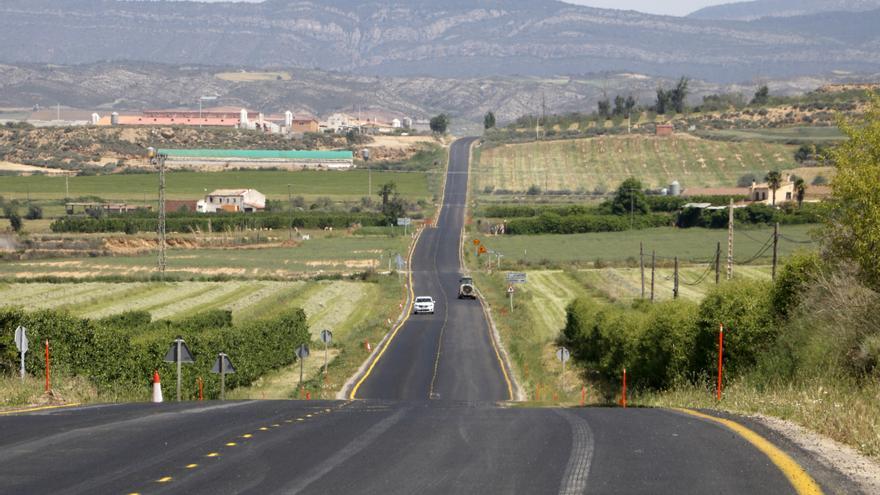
column 661, row 343
column 755, row 214
column 119, row 354
column 551, row 223
column 216, row 222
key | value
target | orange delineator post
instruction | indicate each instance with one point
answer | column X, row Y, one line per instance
column 720, row 360
column 47, row 366
column 623, row 392
column 583, row 396
column 201, row 394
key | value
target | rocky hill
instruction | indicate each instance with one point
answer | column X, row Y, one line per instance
column 748, row 11
column 453, row 38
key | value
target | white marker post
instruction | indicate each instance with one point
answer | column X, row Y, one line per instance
column 326, row 337
column 21, row 342
column 563, row 355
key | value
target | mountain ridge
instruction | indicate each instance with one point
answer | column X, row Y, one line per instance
column 455, row 39
column 758, row 9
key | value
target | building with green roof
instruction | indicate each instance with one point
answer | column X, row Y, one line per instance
column 232, row 159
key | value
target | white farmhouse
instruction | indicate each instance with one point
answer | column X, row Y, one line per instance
column 232, row 200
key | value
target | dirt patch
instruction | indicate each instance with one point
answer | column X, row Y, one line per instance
column 858, row 468
column 29, row 169
column 347, row 263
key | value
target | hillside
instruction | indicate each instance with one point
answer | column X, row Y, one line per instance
column 748, row 11
column 449, row 39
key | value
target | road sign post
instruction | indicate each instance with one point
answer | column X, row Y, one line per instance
column 223, row 366
column 179, row 353
column 510, row 292
column 21, row 342
column 563, row 355
column 404, row 222
column 302, row 352
column 326, row 337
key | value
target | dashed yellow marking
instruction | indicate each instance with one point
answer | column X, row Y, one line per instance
column 288, row 421
column 246, row 435
column 802, row 482
column 213, row 454
column 300, row 419
column 192, row 466
column 308, row 415
column 263, row 428
column 231, row 444
column 326, row 410
column 276, row 425
column 165, row 479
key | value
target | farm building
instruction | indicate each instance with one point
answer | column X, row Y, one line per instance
column 761, row 193
column 664, row 130
column 233, row 159
column 232, row 200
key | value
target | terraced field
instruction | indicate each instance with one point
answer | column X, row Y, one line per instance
column 601, row 164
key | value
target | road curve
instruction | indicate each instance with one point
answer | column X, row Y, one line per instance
column 451, row 354
column 399, row 441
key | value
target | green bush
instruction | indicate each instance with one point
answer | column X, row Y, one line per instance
column 115, row 360
column 663, row 353
column 552, row 223
column 793, row 281
column 745, row 309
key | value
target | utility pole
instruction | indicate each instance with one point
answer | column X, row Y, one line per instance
column 675, row 287
column 159, row 159
column 631, row 209
column 66, row 186
column 543, row 110
column 775, row 248
column 730, row 241
column 290, row 215
column 718, row 264
column 642, row 266
column 653, row 269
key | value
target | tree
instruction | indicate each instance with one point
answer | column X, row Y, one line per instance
column 630, row 198
column 800, row 187
column 853, row 221
column 34, row 212
column 604, row 107
column 774, row 180
column 762, row 96
column 678, row 95
column 439, row 124
column 629, row 105
column 387, row 190
column 489, row 120
column 619, row 106
column 15, row 221
column 663, row 101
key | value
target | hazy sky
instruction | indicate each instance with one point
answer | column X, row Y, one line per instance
column 669, row 7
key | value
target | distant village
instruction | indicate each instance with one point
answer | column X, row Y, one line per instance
column 379, row 122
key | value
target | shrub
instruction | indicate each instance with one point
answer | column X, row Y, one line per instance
column 793, row 281
column 34, row 212
column 745, row 309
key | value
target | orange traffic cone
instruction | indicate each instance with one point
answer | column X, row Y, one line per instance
column 157, row 387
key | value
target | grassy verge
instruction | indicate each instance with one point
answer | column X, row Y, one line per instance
column 15, row 393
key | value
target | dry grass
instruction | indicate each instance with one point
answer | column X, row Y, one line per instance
column 15, row 393
column 845, row 412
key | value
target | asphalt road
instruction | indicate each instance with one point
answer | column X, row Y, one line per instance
column 449, row 355
column 401, row 440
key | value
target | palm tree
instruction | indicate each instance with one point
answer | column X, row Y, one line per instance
column 774, row 180
column 800, row 188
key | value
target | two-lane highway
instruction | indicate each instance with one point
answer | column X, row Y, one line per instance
column 450, row 355
column 428, row 420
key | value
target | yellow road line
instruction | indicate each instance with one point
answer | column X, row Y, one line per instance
column 354, row 390
column 39, row 408
column 802, row 482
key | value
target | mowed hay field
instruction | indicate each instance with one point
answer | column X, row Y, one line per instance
column 170, row 300
column 324, row 255
column 339, row 185
column 587, row 165
column 690, row 245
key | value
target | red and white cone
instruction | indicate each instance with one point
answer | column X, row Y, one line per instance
column 157, row 388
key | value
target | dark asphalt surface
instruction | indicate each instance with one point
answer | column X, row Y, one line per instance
column 398, row 440
column 448, row 355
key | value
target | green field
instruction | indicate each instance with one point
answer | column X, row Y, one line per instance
column 321, row 255
column 623, row 247
column 601, row 164
column 137, row 188
column 783, row 135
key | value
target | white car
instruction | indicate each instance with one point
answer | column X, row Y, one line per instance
column 423, row 304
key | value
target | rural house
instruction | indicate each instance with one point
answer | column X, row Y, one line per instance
column 232, row 200
column 761, row 193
